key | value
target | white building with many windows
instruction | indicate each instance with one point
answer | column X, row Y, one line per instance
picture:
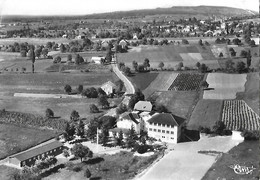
column 165, row 127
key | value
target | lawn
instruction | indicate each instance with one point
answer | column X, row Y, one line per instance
column 119, row 166
column 6, row 172
column 142, row 80
column 179, row 103
column 14, row 138
column 35, row 41
column 205, row 114
column 251, row 94
column 245, row 154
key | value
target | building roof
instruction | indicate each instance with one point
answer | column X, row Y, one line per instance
column 166, row 119
column 109, row 83
column 130, row 116
column 37, row 151
column 143, row 106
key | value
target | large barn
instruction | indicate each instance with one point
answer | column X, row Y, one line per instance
column 28, row 157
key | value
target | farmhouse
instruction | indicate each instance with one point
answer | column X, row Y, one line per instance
column 143, row 106
column 165, row 127
column 108, row 87
column 123, row 44
column 128, row 120
column 97, row 60
column 28, row 158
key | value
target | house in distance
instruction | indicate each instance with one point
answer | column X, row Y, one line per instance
column 108, row 87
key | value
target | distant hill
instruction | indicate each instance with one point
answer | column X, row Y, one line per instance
column 176, row 10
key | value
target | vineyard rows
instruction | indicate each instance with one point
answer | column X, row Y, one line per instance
column 187, row 82
column 237, row 115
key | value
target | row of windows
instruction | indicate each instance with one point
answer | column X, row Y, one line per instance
column 41, row 156
column 164, row 137
column 163, row 125
column 162, row 131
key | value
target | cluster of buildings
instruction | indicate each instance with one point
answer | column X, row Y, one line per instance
column 164, row 127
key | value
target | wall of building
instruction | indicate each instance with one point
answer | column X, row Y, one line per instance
column 164, row 133
column 127, row 124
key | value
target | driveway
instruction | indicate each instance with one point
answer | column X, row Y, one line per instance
column 185, row 163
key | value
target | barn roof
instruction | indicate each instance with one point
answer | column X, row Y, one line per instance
column 37, row 151
column 143, row 106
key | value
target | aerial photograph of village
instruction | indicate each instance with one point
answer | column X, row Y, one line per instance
column 129, row 90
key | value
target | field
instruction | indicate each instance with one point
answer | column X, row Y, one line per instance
column 161, row 83
column 245, row 154
column 237, row 115
column 36, row 41
column 123, row 165
column 187, row 82
column 225, row 86
column 170, row 55
column 251, row 94
column 15, row 138
column 179, row 103
column 142, row 80
column 205, row 114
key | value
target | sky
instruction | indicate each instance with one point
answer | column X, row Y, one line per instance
column 81, row 7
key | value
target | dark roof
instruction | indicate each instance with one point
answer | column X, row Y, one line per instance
column 130, row 116
column 37, row 151
column 167, row 119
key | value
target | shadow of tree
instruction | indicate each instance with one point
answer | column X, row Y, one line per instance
column 94, row 160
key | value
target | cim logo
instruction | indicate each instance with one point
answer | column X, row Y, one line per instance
column 242, row 169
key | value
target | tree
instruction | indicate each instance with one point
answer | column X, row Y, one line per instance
column 204, row 84
column 57, row 60
column 101, row 92
column 104, row 136
column 32, row 57
column 248, row 59
column 146, row 63
column 243, row 53
column 69, row 58
column 198, row 65
column 220, row 55
column 80, row 129
column 80, row 151
column 45, row 52
column 119, row 86
column 180, row 65
column 184, row 41
column 131, row 138
column 62, row 48
column 69, row 131
column 66, row 153
column 161, row 65
column 87, row 173
column 67, row 89
column 78, row 59
column 200, row 42
column 102, row 101
column 80, row 89
column 135, row 65
column 219, row 127
column 127, row 71
column 120, row 138
column 203, row 68
column 38, row 52
column 229, row 65
column 49, row 113
column 207, row 43
column 241, row 67
column 74, row 116
column 93, row 108
column 121, row 109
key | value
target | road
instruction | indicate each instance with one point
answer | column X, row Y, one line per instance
column 128, row 85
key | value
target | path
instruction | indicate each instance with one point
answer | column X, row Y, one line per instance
column 185, row 163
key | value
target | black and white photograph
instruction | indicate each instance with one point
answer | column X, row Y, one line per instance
column 129, row 90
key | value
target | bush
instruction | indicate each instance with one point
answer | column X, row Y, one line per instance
column 93, row 108
column 142, row 149
column 77, row 168
column 49, row 113
column 251, row 135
